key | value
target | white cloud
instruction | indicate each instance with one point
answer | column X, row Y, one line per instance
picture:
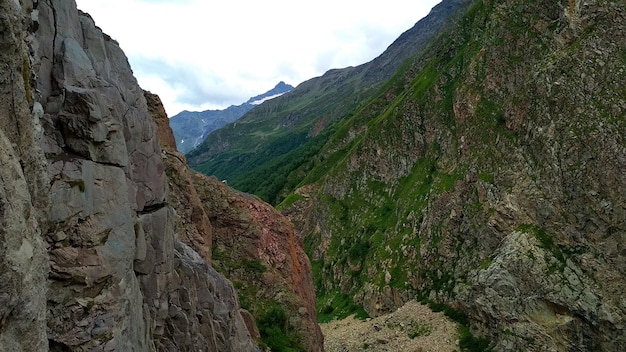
column 199, row 54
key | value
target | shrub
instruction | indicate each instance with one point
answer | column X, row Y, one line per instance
column 273, row 324
column 418, row 329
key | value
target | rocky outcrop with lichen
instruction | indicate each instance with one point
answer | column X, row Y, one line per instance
column 91, row 257
column 488, row 177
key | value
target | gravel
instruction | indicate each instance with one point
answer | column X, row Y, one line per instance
column 413, row 327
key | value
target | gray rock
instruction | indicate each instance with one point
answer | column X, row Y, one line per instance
column 23, row 259
column 89, row 259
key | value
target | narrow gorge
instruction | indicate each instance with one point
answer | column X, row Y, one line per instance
column 477, row 166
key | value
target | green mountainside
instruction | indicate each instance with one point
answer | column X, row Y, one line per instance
column 261, row 151
column 192, row 127
column 487, row 178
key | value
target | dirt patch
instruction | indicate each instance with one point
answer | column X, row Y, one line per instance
column 413, row 327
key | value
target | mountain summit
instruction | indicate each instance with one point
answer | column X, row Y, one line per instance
column 192, row 127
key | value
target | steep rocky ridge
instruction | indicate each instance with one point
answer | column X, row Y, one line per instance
column 91, row 257
column 267, row 151
column 196, row 229
column 23, row 259
column 488, row 176
column 254, row 246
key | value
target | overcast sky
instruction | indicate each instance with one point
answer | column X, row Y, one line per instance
column 207, row 54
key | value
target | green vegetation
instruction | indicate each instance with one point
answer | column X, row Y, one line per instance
column 375, row 218
column 470, row 343
column 359, row 250
column 254, row 265
column 546, row 241
column 276, row 147
column 289, row 201
column 273, row 324
column 335, row 305
column 486, row 177
column 419, row 329
column 392, row 174
column 467, row 341
column 278, row 166
column 275, row 144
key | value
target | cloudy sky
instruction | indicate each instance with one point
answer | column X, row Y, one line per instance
column 209, row 54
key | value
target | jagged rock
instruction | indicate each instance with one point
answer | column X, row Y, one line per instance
column 191, row 306
column 89, row 257
column 157, row 111
column 256, row 247
column 194, row 223
column 211, row 213
column 23, row 259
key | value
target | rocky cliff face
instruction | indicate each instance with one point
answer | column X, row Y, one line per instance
column 251, row 244
column 489, row 177
column 90, row 252
column 256, row 247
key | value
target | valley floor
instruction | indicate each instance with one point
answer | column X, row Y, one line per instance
column 413, row 327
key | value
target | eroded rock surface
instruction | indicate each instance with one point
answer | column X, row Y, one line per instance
column 254, row 245
column 90, row 257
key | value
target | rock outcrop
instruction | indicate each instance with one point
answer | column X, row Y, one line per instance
column 91, row 251
column 23, row 183
column 254, row 245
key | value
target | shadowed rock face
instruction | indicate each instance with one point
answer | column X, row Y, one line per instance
column 90, row 257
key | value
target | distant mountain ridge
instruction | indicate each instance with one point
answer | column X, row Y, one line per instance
column 262, row 151
column 192, row 127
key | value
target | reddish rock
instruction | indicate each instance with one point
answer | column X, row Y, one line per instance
column 164, row 132
column 255, row 246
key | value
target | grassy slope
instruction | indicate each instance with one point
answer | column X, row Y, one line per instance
column 400, row 199
column 270, row 150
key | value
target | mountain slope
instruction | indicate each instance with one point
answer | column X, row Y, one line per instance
column 260, row 152
column 486, row 176
column 192, row 127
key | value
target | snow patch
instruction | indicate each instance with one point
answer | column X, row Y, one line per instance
column 257, row 102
